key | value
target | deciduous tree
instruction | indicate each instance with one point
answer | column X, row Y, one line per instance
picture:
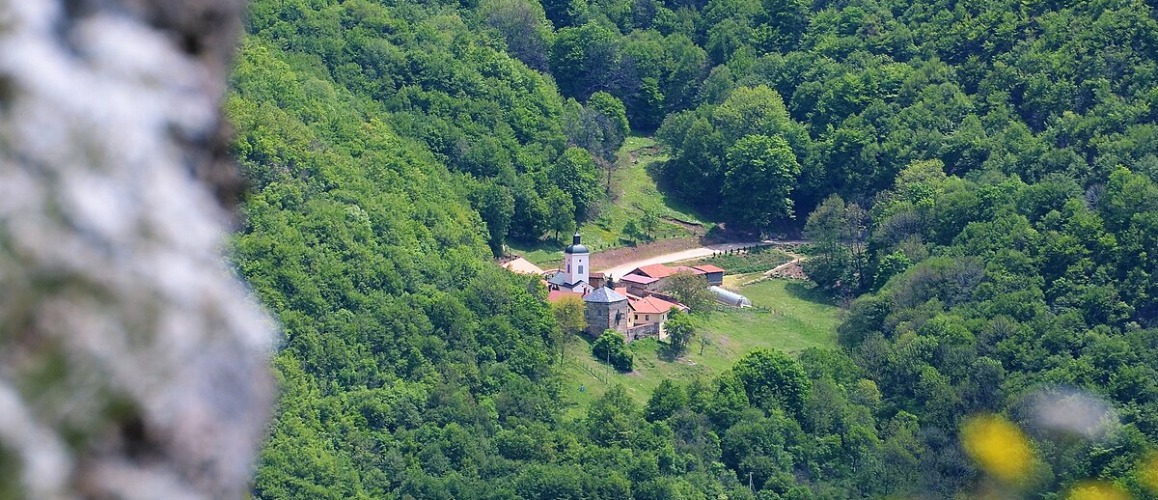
column 761, row 172
column 611, row 348
column 569, row 318
column 665, row 401
column 773, row 378
column 690, row 290
column 680, row 330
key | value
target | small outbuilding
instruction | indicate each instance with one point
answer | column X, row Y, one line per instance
column 714, row 275
column 639, row 284
column 523, row 266
column 730, row 298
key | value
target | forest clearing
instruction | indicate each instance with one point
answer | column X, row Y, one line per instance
column 788, row 315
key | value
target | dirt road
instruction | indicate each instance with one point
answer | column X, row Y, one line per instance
column 694, row 253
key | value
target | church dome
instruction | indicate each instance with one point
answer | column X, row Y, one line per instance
column 576, row 247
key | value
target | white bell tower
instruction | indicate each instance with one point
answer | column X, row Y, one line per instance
column 577, row 263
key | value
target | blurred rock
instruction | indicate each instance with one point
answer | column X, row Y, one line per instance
column 1072, row 412
column 133, row 363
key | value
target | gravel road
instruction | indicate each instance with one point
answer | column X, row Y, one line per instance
column 694, row 253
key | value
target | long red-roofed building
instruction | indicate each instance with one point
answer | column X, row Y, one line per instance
column 660, row 272
column 657, row 271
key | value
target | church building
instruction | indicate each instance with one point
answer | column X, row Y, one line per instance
column 575, row 276
column 636, row 308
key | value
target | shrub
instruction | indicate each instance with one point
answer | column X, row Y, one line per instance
column 612, row 348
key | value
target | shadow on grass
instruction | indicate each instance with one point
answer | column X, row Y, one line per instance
column 808, row 291
column 669, row 196
column 580, row 341
column 549, row 243
column 667, row 353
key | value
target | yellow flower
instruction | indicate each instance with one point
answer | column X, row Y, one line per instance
column 1097, row 490
column 999, row 447
column 1148, row 473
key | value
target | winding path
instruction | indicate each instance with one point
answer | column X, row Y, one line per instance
column 795, row 260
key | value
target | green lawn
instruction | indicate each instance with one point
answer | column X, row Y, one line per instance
column 635, row 189
column 788, row 315
column 546, row 253
column 758, row 259
column 634, row 192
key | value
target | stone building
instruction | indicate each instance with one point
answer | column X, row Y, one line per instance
column 606, row 309
column 639, row 284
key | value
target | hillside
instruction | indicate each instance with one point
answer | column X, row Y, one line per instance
column 636, row 214
column 785, row 317
column 978, row 181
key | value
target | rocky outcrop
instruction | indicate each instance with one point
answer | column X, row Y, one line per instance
column 133, row 363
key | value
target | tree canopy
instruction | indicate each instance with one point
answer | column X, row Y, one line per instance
column 980, row 182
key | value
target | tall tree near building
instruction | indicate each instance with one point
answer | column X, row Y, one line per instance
column 496, row 206
column 569, row 319
column 560, row 212
column 680, row 330
column 690, row 290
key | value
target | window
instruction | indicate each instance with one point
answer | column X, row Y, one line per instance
column 647, row 317
column 580, row 268
column 568, row 267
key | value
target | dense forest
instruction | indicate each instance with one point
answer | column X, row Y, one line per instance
column 980, row 181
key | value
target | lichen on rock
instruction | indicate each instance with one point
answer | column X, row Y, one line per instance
column 133, row 363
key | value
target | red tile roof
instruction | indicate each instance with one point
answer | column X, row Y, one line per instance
column 555, row 295
column 597, row 275
column 655, row 271
column 638, row 278
column 708, row 268
column 692, row 270
column 651, row 305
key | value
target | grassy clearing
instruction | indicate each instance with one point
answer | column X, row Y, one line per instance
column 634, row 188
column 634, row 192
column 789, row 316
column 586, row 379
column 546, row 254
column 756, row 260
